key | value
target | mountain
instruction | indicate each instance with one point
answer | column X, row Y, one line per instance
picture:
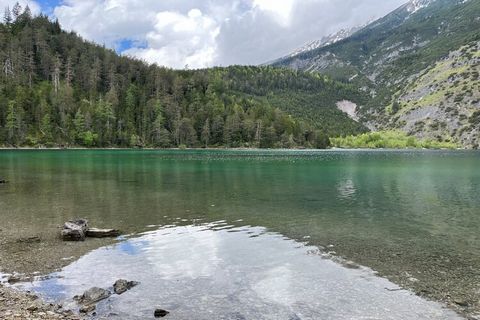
column 58, row 90
column 324, row 41
column 392, row 59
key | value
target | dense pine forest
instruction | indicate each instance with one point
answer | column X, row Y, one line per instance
column 58, row 90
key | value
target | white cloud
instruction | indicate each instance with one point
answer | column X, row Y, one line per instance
column 215, row 32
column 34, row 6
column 281, row 9
column 178, row 40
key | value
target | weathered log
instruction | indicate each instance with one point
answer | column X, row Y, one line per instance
column 75, row 230
column 102, row 233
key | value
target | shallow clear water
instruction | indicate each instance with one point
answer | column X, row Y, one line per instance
column 412, row 212
column 216, row 271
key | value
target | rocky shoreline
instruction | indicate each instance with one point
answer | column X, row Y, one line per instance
column 18, row 305
column 26, row 252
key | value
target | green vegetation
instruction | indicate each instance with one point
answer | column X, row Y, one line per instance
column 59, row 90
column 389, row 140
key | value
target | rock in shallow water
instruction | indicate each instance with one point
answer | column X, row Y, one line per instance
column 461, row 302
column 93, row 295
column 87, row 309
column 75, row 230
column 160, row 313
column 122, row 286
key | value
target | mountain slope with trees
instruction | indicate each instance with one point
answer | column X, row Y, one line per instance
column 390, row 55
column 58, row 90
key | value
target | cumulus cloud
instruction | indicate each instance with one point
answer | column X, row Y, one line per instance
column 178, row 40
column 201, row 33
column 34, row 6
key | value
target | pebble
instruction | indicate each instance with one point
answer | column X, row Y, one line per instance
column 460, row 302
column 160, row 313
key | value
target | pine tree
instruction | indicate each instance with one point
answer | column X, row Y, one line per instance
column 7, row 16
column 27, row 13
column 17, row 10
column 14, row 123
column 79, row 127
column 187, row 134
column 206, row 133
column 46, row 129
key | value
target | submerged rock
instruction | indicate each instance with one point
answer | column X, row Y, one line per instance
column 87, row 308
column 102, row 233
column 122, row 286
column 16, row 278
column 461, row 302
column 75, row 230
column 160, row 313
column 92, row 296
column 34, row 239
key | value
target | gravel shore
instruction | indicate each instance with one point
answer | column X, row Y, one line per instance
column 17, row 305
column 26, row 252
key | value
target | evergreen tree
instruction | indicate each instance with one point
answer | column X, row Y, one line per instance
column 46, row 129
column 79, row 127
column 206, row 133
column 17, row 10
column 7, row 16
column 14, row 123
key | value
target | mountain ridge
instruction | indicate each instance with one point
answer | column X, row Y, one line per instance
column 385, row 56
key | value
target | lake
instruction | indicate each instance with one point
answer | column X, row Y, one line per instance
column 257, row 234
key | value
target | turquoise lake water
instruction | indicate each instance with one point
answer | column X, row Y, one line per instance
column 412, row 216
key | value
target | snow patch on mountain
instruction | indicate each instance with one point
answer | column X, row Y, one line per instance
column 415, row 5
column 325, row 41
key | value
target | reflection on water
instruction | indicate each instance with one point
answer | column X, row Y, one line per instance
column 216, row 271
column 346, row 189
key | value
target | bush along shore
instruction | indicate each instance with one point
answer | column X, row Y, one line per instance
column 390, row 140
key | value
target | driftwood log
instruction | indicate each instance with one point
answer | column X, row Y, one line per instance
column 78, row 230
column 102, row 233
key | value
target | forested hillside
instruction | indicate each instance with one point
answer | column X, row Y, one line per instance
column 59, row 90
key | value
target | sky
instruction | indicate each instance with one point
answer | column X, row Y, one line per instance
column 206, row 33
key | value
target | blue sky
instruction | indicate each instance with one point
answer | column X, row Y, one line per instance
column 48, row 5
column 200, row 33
